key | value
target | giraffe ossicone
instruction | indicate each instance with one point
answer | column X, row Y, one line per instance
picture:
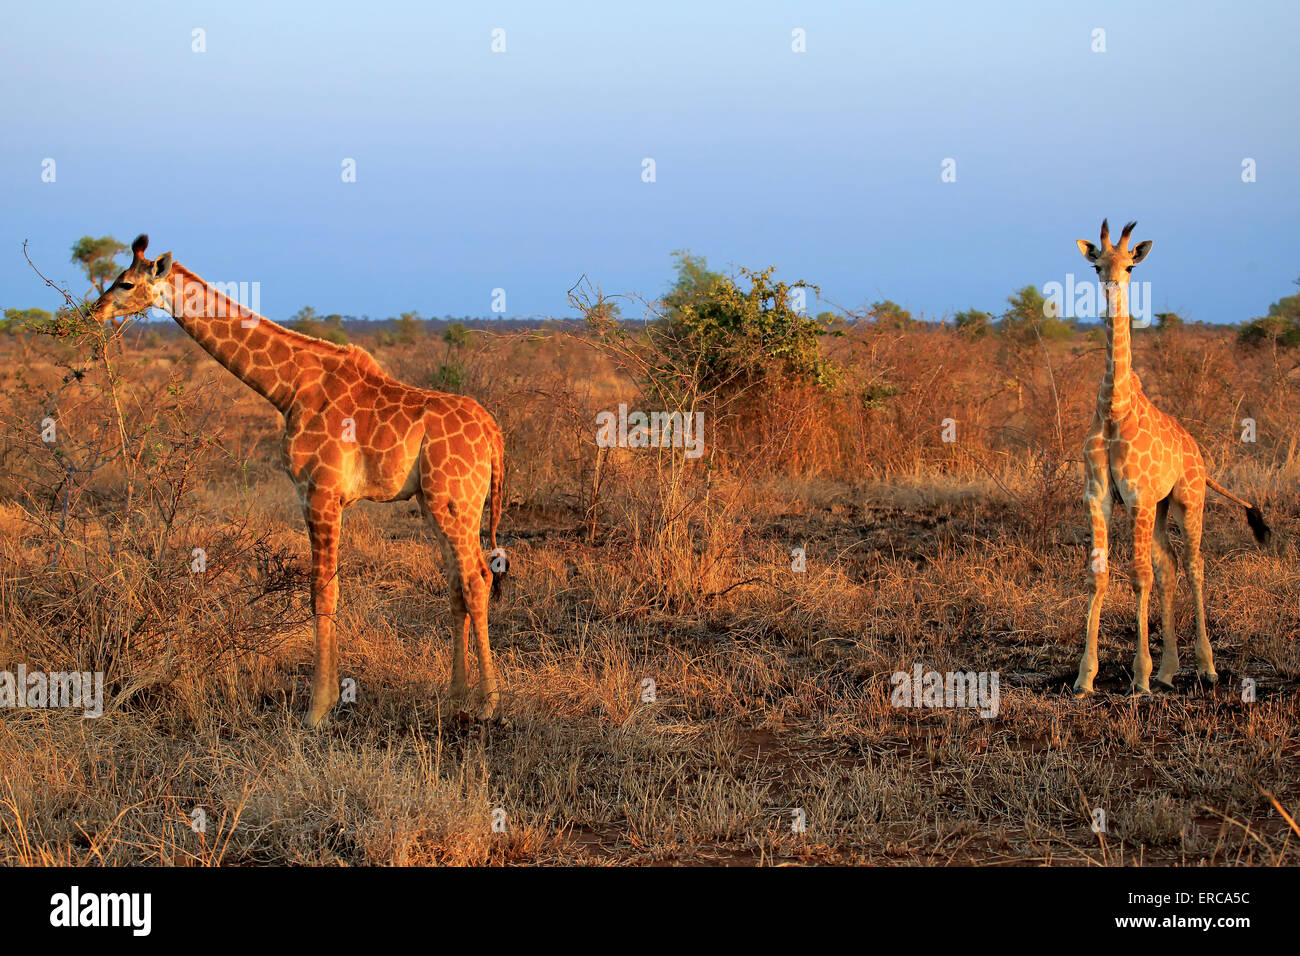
column 1143, row 458
column 351, row 432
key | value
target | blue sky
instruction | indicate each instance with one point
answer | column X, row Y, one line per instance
column 522, row 170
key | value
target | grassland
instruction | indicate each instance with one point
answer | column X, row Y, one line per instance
column 771, row 687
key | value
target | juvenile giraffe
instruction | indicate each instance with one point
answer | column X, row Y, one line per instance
column 1142, row 457
column 350, row 432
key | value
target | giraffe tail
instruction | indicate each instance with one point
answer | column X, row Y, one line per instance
column 500, row 563
column 1254, row 517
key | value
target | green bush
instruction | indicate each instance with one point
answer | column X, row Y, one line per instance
column 890, row 315
column 1281, row 326
column 973, row 322
column 723, row 336
column 16, row 320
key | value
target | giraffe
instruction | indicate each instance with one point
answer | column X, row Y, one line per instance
column 350, row 432
column 1142, row 457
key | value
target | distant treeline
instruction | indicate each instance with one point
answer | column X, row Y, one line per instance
column 702, row 302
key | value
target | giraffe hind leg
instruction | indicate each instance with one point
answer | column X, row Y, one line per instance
column 1166, row 574
column 460, row 618
column 477, row 595
column 469, row 586
column 1195, row 566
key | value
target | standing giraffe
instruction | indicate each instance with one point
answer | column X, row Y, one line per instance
column 350, row 432
column 1138, row 455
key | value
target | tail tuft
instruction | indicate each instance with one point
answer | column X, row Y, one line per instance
column 1254, row 517
column 499, row 560
column 500, row 564
column 1261, row 531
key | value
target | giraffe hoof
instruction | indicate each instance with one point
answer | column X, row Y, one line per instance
column 1139, row 693
column 1209, row 677
column 1164, row 684
column 322, row 702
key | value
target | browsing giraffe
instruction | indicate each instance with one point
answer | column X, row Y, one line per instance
column 1143, row 458
column 350, row 432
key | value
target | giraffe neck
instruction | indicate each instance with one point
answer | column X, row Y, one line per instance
column 1116, row 396
column 265, row 356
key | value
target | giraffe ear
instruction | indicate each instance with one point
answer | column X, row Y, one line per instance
column 1140, row 251
column 1090, row 252
column 162, row 268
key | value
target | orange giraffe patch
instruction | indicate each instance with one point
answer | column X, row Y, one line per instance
column 1143, row 457
column 350, row 432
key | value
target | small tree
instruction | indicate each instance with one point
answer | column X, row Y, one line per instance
column 457, row 335
column 973, row 322
column 450, row 375
column 96, row 258
column 890, row 315
column 16, row 319
column 694, row 285
column 1030, row 316
column 309, row 322
column 408, row 328
column 603, row 312
column 832, row 322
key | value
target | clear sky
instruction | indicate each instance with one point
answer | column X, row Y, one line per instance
column 522, row 170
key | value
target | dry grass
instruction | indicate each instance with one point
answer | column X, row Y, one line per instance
column 772, row 690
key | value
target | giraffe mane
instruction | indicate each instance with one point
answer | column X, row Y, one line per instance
column 235, row 308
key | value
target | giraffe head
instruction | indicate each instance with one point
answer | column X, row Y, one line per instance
column 141, row 285
column 1114, row 263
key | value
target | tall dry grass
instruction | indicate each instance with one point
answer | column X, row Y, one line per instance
column 771, row 686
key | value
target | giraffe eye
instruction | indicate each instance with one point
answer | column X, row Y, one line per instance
column 127, row 285
column 1128, row 269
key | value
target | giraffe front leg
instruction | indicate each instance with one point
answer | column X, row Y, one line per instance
column 1099, row 508
column 324, row 514
column 1143, row 577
